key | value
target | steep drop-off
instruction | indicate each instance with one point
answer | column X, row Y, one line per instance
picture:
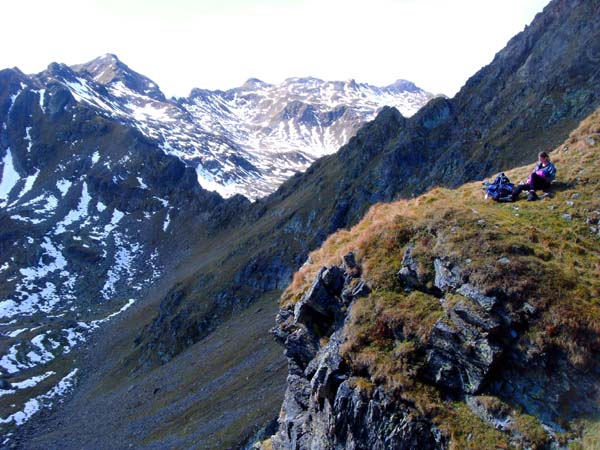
column 453, row 322
column 529, row 98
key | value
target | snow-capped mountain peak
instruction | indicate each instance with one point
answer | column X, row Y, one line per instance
column 246, row 140
column 108, row 69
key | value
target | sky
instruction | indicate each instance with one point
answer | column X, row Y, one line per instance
column 219, row 44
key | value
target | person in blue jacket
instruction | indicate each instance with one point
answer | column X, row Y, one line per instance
column 541, row 177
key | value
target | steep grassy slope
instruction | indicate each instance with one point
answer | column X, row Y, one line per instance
column 539, row 260
column 216, row 394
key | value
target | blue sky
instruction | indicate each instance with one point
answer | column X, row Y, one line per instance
column 218, row 44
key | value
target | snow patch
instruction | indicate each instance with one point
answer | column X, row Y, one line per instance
column 15, row 333
column 31, row 296
column 63, row 186
column 12, row 101
column 29, row 181
column 167, row 220
column 10, row 177
column 42, row 93
column 164, row 202
column 28, row 139
column 209, row 182
column 25, row 219
column 122, row 266
column 141, row 183
column 75, row 215
column 36, row 404
column 95, row 323
column 41, row 355
column 26, row 384
column 10, row 363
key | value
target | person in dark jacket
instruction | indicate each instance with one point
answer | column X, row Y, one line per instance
column 541, row 177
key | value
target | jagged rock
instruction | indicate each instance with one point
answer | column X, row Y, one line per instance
column 472, row 315
column 321, row 302
column 474, row 294
column 409, row 272
column 301, row 346
column 499, row 420
column 462, row 348
column 5, row 385
column 447, row 275
column 349, row 261
column 322, row 408
column 327, row 370
column 333, row 278
column 547, row 386
column 325, row 411
column 352, row 291
column 376, row 421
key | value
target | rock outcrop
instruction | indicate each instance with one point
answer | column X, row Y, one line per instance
column 465, row 343
column 324, row 407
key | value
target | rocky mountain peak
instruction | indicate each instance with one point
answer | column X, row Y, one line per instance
column 254, row 83
column 351, row 83
column 58, row 70
column 402, row 86
column 246, row 140
column 109, row 69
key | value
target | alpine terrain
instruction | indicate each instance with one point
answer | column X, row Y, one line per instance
column 246, row 140
column 98, row 173
column 435, row 321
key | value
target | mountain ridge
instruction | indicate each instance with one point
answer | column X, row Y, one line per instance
column 245, row 140
column 261, row 244
column 452, row 320
column 91, row 211
column 393, row 156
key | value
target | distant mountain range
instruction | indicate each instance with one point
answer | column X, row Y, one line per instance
column 246, row 140
column 99, row 172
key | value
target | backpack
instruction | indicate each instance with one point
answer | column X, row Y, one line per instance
column 500, row 190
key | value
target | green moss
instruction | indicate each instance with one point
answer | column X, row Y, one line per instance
column 467, row 431
column 531, row 430
column 591, row 433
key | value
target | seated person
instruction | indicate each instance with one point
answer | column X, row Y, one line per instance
column 543, row 174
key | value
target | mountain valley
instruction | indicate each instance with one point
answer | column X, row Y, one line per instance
column 105, row 215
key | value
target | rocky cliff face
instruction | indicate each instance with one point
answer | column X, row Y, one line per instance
column 456, row 325
column 324, row 405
